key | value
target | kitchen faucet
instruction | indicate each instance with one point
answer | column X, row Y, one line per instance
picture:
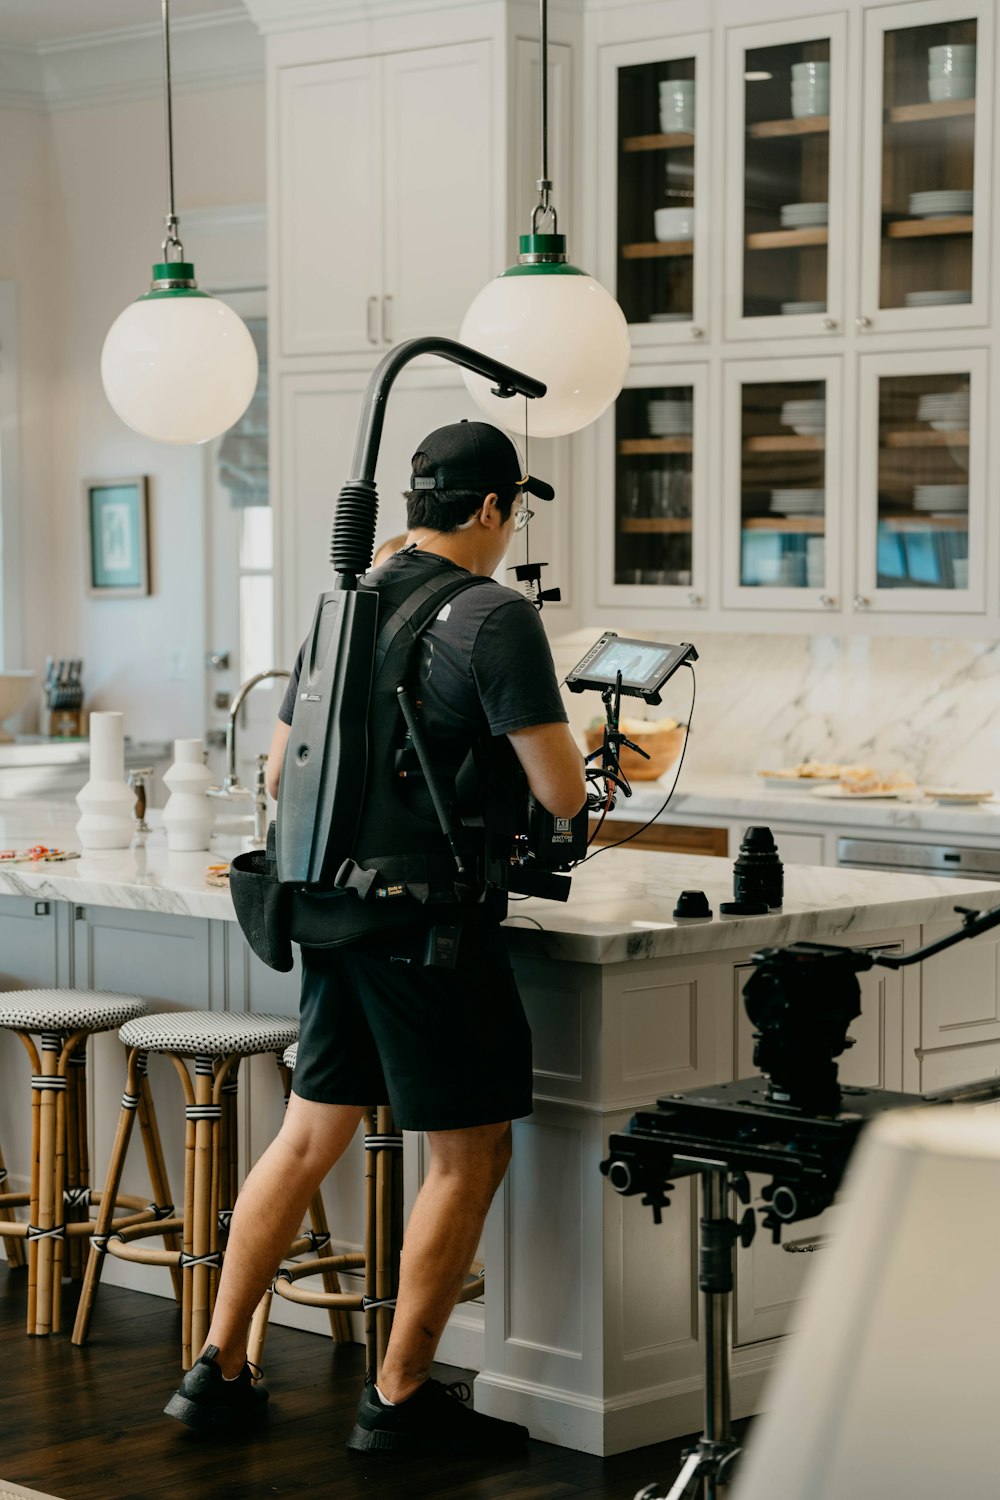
column 230, row 783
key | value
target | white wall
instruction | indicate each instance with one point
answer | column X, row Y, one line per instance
column 144, row 656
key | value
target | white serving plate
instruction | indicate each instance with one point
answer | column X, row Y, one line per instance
column 795, row 783
column 898, row 794
column 955, row 794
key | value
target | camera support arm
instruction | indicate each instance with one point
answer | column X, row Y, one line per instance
column 973, row 923
column 357, row 506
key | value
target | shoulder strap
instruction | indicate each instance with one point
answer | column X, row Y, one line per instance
column 422, row 605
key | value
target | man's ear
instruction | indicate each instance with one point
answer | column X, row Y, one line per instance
column 489, row 513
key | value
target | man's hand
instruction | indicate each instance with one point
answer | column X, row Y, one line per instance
column 276, row 755
column 553, row 764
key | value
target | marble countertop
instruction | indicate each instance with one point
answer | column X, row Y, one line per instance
column 745, row 798
column 620, row 907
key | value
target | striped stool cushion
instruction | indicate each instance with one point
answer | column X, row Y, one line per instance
column 193, row 1033
column 67, row 1010
column 291, row 1056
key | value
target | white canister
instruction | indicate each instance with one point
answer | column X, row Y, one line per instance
column 189, row 815
column 106, row 803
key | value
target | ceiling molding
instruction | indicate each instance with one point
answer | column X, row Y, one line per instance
column 206, row 52
column 272, row 16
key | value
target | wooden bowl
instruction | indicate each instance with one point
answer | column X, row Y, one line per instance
column 663, row 746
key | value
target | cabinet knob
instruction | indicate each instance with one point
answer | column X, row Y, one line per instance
column 696, row 332
column 862, row 323
column 828, row 601
column 693, row 597
column 370, row 307
column 829, row 324
column 861, row 602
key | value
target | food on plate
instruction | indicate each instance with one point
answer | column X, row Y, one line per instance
column 855, row 780
column 806, row 770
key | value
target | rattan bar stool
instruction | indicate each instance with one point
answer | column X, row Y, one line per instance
column 217, row 1042
column 380, row 1257
column 60, row 1198
column 13, row 1247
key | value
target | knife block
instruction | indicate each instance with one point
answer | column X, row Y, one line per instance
column 62, row 723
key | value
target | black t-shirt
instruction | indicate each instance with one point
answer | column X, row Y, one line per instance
column 484, row 665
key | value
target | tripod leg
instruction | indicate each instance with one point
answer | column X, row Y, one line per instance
column 690, row 1471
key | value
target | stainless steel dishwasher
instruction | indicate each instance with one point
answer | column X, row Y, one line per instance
column 922, row 858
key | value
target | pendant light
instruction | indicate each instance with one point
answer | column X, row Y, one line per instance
column 178, row 365
column 549, row 318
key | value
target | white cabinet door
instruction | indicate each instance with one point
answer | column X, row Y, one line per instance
column 922, row 491
column 440, row 241
column 329, row 230
column 785, row 179
column 783, row 490
column 926, row 144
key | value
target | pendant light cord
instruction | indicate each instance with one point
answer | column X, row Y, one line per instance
column 172, row 241
column 544, row 207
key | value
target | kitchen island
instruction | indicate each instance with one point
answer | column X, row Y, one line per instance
column 591, row 1326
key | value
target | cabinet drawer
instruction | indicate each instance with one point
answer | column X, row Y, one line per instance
column 960, row 991
column 668, row 838
column 797, row 848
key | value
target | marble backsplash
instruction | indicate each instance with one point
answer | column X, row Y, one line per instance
column 930, row 708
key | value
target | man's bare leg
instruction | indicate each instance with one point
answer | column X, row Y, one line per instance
column 269, row 1210
column 444, row 1229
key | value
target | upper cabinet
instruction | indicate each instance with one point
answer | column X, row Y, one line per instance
column 928, row 93
column 784, row 266
column 387, row 214
column 655, row 122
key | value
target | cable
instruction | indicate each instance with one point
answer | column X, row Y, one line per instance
column 673, row 787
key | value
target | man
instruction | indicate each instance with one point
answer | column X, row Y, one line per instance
column 449, row 1049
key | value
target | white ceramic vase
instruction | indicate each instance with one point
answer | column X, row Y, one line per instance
column 106, row 802
column 189, row 815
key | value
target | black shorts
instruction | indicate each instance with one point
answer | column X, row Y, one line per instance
column 446, row 1048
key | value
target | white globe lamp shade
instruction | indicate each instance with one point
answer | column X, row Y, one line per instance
column 178, row 365
column 552, row 321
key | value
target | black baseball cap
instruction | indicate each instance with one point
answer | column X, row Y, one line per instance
column 472, row 456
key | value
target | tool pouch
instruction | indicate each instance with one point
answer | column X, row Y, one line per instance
column 262, row 904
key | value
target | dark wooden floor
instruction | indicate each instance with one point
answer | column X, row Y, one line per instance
column 86, row 1424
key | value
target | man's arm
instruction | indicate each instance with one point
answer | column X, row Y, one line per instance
column 553, row 764
column 276, row 755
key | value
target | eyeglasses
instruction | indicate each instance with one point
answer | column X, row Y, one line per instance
column 521, row 517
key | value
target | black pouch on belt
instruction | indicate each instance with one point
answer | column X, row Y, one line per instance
column 262, row 904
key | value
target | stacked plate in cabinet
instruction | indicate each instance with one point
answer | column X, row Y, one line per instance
column 942, row 204
column 945, row 411
column 804, row 417
column 796, row 309
column 801, row 502
column 669, row 418
column 804, row 215
column 941, row 499
column 942, row 298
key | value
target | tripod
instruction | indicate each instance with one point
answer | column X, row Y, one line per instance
column 711, row 1459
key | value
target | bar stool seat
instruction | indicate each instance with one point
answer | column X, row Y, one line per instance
column 60, row 1198
column 218, row 1042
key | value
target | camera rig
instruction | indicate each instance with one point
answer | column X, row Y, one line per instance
column 796, row 1125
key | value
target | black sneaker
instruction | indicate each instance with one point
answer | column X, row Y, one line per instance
column 206, row 1401
column 435, row 1419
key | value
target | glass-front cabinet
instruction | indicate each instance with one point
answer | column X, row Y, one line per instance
column 654, row 445
column 926, row 191
column 784, row 262
column 654, row 212
column 922, row 495
column 782, row 485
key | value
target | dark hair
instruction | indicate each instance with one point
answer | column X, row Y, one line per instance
column 446, row 510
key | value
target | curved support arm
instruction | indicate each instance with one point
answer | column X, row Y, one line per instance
column 510, row 382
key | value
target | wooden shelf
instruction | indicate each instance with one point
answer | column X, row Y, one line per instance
column 918, row 229
column 918, row 522
column 795, row 443
column 656, row 445
column 930, row 439
column 677, row 140
column 635, row 525
column 812, row 525
column 654, row 250
column 780, row 239
column 909, row 114
column 810, row 125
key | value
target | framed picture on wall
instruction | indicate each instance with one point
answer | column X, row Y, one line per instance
column 117, row 537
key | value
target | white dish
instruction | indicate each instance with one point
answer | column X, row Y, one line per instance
column 937, row 299
column 795, row 783
column 673, row 224
column 804, row 71
column 794, row 309
column 675, row 317
column 951, row 86
column 955, row 794
column 897, row 794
